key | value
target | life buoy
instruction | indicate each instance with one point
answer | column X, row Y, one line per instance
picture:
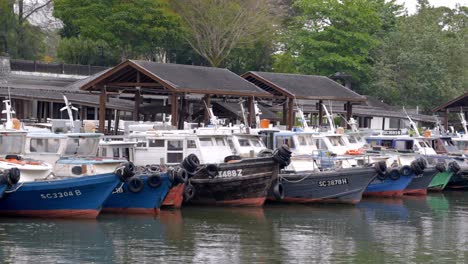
column 354, row 152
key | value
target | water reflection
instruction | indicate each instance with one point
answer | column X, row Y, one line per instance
column 412, row 229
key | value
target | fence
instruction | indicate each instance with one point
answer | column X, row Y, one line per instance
column 59, row 68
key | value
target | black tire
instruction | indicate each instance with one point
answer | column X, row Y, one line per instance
column 265, row 153
column 454, row 166
column 382, row 177
column 381, row 167
column 285, row 149
column 416, row 167
column 181, row 176
column 129, row 170
column 440, row 167
column 135, row 184
column 212, row 170
column 278, row 191
column 232, row 157
column 155, row 180
column 190, row 163
column 13, row 176
column 422, row 163
column 394, row 174
column 172, row 176
column 189, row 192
column 406, row 170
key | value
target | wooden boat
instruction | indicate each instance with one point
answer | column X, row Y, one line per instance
column 238, row 182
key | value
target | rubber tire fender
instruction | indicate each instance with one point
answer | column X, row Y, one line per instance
column 381, row 168
column 394, row 174
column 440, row 167
column 13, row 176
column 154, row 180
column 454, row 166
column 406, row 170
column 135, row 184
column 181, row 176
column 189, row 192
column 265, row 153
column 232, row 157
column 278, row 191
column 212, row 170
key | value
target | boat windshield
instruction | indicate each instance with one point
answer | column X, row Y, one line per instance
column 44, row 145
column 250, row 142
column 11, row 144
column 336, row 141
column 83, row 146
column 423, row 144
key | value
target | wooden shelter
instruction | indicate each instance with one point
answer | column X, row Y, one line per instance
column 455, row 105
column 287, row 87
column 171, row 80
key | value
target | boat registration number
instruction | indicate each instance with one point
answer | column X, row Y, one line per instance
column 229, row 173
column 333, row 182
column 59, row 195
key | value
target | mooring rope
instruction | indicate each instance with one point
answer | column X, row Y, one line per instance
column 17, row 187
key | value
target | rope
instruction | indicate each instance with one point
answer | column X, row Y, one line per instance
column 17, row 187
column 119, row 189
column 296, row 181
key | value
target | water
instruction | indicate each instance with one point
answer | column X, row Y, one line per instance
column 432, row 229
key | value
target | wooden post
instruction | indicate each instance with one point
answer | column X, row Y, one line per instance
column 285, row 112
column 251, row 117
column 446, row 119
column 102, row 109
column 182, row 113
column 109, row 121
column 174, row 109
column 136, row 109
column 349, row 111
column 117, row 119
column 291, row 113
column 320, row 109
column 383, row 123
column 206, row 116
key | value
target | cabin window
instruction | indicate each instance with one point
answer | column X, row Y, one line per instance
column 82, row 146
column 352, row 139
column 206, row 142
column 141, row 144
column 11, row 144
column 387, row 143
column 244, row 142
column 44, row 145
column 116, row 152
column 156, row 143
column 104, row 152
column 231, row 145
column 191, row 144
column 256, row 142
column 336, row 141
column 220, row 141
column 175, row 145
column 302, row 140
column 285, row 140
column 174, row 157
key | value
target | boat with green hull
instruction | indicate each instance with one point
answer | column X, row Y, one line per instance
column 440, row 180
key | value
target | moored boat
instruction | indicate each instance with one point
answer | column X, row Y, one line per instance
column 239, row 182
column 66, row 198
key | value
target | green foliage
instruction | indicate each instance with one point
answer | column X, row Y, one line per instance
column 86, row 51
column 330, row 36
column 19, row 38
column 424, row 61
column 133, row 28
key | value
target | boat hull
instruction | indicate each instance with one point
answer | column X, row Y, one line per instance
column 459, row 180
column 440, row 181
column 338, row 186
column 420, row 183
column 388, row 187
column 68, row 198
column 249, row 189
column 146, row 201
column 174, row 198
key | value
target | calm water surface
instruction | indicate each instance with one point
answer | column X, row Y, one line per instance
column 432, row 229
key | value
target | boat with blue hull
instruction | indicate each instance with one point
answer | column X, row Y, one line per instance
column 388, row 185
column 139, row 195
column 81, row 197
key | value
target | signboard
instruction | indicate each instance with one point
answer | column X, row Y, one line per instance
column 396, row 132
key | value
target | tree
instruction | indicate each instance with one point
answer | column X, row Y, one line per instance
column 216, row 27
column 423, row 62
column 328, row 36
column 135, row 28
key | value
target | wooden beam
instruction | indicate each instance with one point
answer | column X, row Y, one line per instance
column 102, row 109
column 320, row 116
column 446, row 119
column 174, row 109
column 133, row 84
column 136, row 108
column 285, row 112
column 251, row 117
column 116, row 124
column 349, row 111
column 206, row 115
column 291, row 113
